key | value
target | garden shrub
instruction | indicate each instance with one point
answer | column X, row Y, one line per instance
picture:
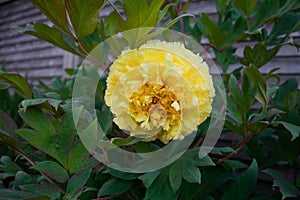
column 49, row 161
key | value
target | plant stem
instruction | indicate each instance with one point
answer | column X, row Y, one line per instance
column 198, row 142
column 42, row 173
column 242, row 145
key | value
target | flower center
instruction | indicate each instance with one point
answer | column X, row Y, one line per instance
column 154, row 106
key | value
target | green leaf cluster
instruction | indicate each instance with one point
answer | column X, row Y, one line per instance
column 43, row 157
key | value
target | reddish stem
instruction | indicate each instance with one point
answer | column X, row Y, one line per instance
column 198, row 142
column 242, row 145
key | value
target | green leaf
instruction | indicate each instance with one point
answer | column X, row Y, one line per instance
column 53, row 170
column 149, row 178
column 84, row 15
column 256, row 77
column 160, row 189
column 124, row 141
column 213, row 32
column 22, row 178
column 37, row 120
column 41, row 141
column 105, row 119
column 293, row 129
column 46, row 102
column 221, row 150
column 44, row 188
column 234, row 88
column 212, row 178
column 246, row 6
column 79, row 158
column 55, row 11
column 175, row 177
column 122, row 175
column 76, row 184
column 114, row 186
column 15, row 194
column 291, row 100
column 164, row 11
column 18, row 83
column 259, row 55
column 284, row 26
column 234, row 164
column 285, row 187
column 191, row 174
column 53, row 36
column 284, row 90
column 265, row 10
column 140, row 13
column 244, row 184
column 234, row 127
column 221, row 6
column 7, row 134
column 8, row 168
column 226, row 58
column 234, row 111
column 249, row 89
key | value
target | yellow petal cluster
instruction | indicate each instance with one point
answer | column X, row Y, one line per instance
column 159, row 91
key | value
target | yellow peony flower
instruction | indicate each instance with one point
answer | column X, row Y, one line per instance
column 159, row 91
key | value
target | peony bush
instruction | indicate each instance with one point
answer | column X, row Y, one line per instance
column 140, row 117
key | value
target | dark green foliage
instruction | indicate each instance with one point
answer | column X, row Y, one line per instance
column 43, row 157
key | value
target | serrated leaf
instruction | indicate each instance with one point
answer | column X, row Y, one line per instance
column 245, row 183
column 285, row 187
column 53, row 170
column 114, row 186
